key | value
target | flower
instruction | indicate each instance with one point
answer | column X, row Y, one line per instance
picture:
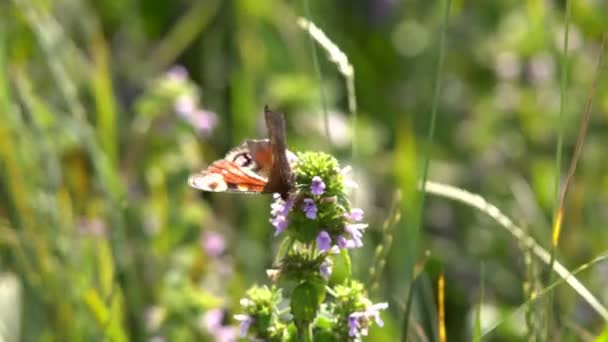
column 353, row 325
column 177, row 74
column 356, row 231
column 355, row 215
column 310, row 208
column 325, row 269
column 212, row 320
column 323, row 241
column 279, row 223
column 345, row 243
column 279, row 210
column 203, row 121
column 317, row 187
column 213, row 243
column 246, row 321
column 358, row 321
column 184, row 105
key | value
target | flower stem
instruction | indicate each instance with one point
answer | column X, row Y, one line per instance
column 305, row 333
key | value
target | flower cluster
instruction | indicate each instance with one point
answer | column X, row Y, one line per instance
column 355, row 312
column 318, row 227
column 186, row 104
column 262, row 317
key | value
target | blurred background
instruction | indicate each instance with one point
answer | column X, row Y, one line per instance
column 107, row 106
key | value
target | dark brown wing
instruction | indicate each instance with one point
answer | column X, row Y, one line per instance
column 281, row 176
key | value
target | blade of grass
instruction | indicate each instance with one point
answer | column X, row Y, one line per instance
column 430, row 136
column 382, row 250
column 317, row 67
column 418, row 269
column 188, row 27
column 477, row 326
column 580, row 140
column 478, row 202
column 545, row 291
column 441, row 307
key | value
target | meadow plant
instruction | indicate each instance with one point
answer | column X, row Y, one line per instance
column 318, row 227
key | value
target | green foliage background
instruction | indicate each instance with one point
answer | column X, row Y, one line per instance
column 101, row 239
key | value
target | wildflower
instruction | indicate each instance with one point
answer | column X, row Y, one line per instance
column 279, row 210
column 317, row 187
column 177, row 74
column 279, row 223
column 323, row 241
column 325, row 269
column 213, row 243
column 355, row 215
column 310, row 208
column 356, row 232
column 353, row 325
column 345, row 243
column 212, row 321
column 358, row 321
column 246, row 321
column 184, row 105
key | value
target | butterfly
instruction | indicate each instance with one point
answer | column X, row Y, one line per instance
column 255, row 166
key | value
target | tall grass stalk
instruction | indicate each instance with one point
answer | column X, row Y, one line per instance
column 545, row 291
column 478, row 202
column 317, row 67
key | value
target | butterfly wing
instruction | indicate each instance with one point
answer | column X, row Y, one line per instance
column 253, row 167
column 244, row 169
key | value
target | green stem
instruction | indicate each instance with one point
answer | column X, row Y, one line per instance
column 305, row 333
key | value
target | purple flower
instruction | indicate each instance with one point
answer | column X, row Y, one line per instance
column 325, row 269
column 213, row 243
column 212, row 320
column 374, row 311
column 317, row 187
column 177, row 74
column 356, row 232
column 203, row 121
column 345, row 243
column 359, row 321
column 279, row 211
column 355, row 215
column 353, row 325
column 246, row 321
column 280, row 223
column 184, row 105
column 310, row 208
column 323, row 241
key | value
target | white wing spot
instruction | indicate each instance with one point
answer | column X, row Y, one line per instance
column 210, row 182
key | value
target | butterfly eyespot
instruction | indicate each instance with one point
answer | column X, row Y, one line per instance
column 243, row 159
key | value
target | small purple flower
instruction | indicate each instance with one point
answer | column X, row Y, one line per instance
column 203, row 121
column 356, row 232
column 317, row 187
column 310, row 208
column 374, row 311
column 345, row 243
column 212, row 319
column 353, row 325
column 359, row 321
column 355, row 215
column 213, row 243
column 184, row 105
column 279, row 210
column 177, row 74
column 323, row 241
column 325, row 269
column 246, row 321
column 280, row 223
